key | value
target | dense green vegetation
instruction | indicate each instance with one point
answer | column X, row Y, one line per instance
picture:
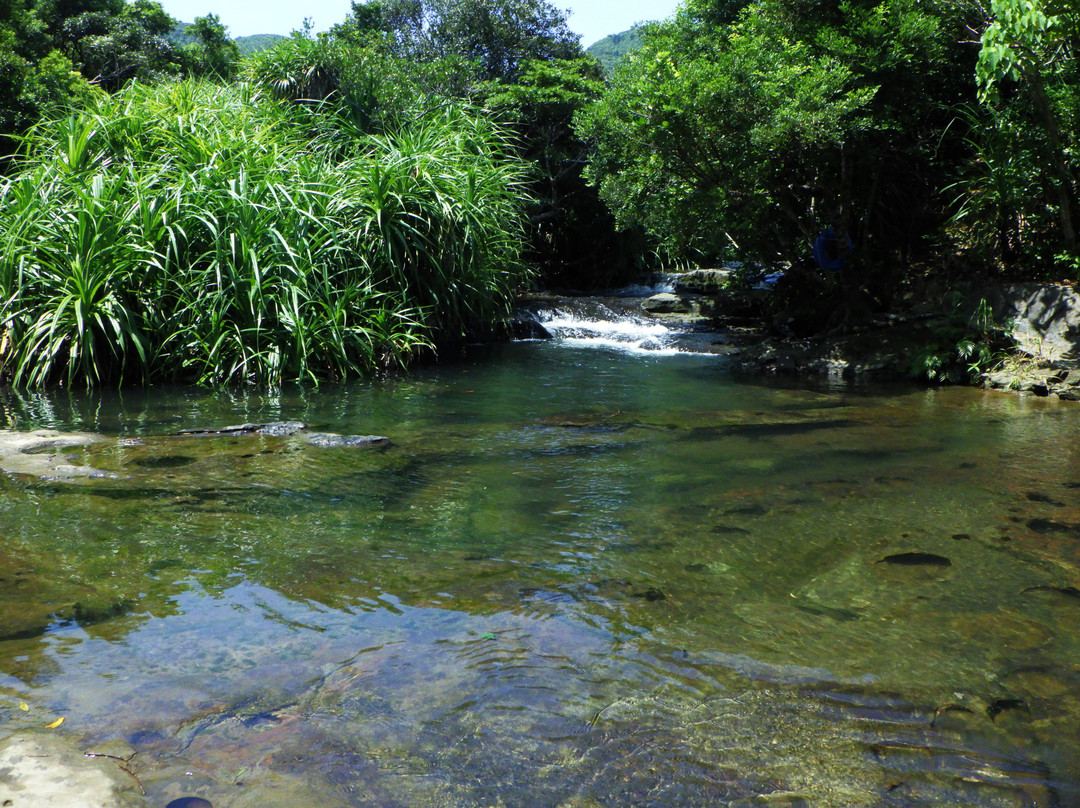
column 55, row 55
column 182, row 34
column 745, row 129
column 610, row 50
column 211, row 233
column 909, row 140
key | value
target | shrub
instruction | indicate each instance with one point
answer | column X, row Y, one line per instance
column 197, row 232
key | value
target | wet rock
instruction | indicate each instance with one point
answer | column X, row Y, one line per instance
column 652, row 594
column 747, row 510
column 684, row 307
column 273, row 428
column 1070, row 592
column 705, row 281
column 1037, row 496
column 665, row 303
column 40, row 771
column 839, row 614
column 1008, row 628
column 999, row 706
column 331, row 440
column 728, row 530
column 1033, row 381
column 1045, row 684
column 291, row 429
column 40, row 453
column 524, row 328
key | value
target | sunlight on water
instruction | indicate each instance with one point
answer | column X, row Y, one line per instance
column 575, row 578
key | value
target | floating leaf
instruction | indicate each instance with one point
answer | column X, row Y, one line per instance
column 487, row 635
column 24, row 706
column 55, row 723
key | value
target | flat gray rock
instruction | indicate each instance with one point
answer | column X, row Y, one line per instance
column 48, row 771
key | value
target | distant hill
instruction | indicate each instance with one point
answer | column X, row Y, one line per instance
column 257, row 42
column 247, row 44
column 609, row 50
column 179, row 35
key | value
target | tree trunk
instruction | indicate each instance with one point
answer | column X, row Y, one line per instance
column 1063, row 186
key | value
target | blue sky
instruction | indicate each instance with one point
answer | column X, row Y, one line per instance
column 593, row 19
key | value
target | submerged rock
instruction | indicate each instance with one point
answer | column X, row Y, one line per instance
column 285, row 429
column 40, row 454
column 332, row 440
column 48, row 770
column 916, row 559
column 274, row 428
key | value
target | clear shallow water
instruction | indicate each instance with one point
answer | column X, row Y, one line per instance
column 578, row 577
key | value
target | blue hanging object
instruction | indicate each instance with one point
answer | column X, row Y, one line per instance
column 827, row 251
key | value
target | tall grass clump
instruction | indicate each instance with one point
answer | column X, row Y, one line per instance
column 215, row 234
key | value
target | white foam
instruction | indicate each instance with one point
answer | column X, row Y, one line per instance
column 622, row 333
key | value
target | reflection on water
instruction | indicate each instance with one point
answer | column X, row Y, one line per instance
column 576, row 578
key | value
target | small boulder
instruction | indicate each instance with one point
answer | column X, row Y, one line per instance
column 704, row 281
column 667, row 303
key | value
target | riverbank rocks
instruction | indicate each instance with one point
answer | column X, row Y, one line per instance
column 45, row 453
column 1034, row 377
column 1044, row 319
column 879, row 352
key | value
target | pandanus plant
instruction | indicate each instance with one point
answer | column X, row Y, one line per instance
column 199, row 232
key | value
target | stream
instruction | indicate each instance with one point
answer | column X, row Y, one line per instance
column 595, row 570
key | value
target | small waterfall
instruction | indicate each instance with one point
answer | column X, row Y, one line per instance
column 618, row 331
column 614, row 320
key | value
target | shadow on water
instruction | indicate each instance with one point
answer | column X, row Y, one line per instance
column 573, row 579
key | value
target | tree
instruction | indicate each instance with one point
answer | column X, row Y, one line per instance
column 1032, row 45
column 746, row 131
column 213, row 53
column 497, row 38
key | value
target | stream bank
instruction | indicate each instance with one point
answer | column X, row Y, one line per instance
column 704, row 311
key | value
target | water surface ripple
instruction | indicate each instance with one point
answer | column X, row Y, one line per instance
column 576, row 578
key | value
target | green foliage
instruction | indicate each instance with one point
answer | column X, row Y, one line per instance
column 495, row 38
column 199, row 232
column 610, row 50
column 1028, row 82
column 998, row 202
column 573, row 239
column 514, row 57
column 57, row 53
column 962, row 345
column 210, row 53
column 117, row 43
column 745, row 131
